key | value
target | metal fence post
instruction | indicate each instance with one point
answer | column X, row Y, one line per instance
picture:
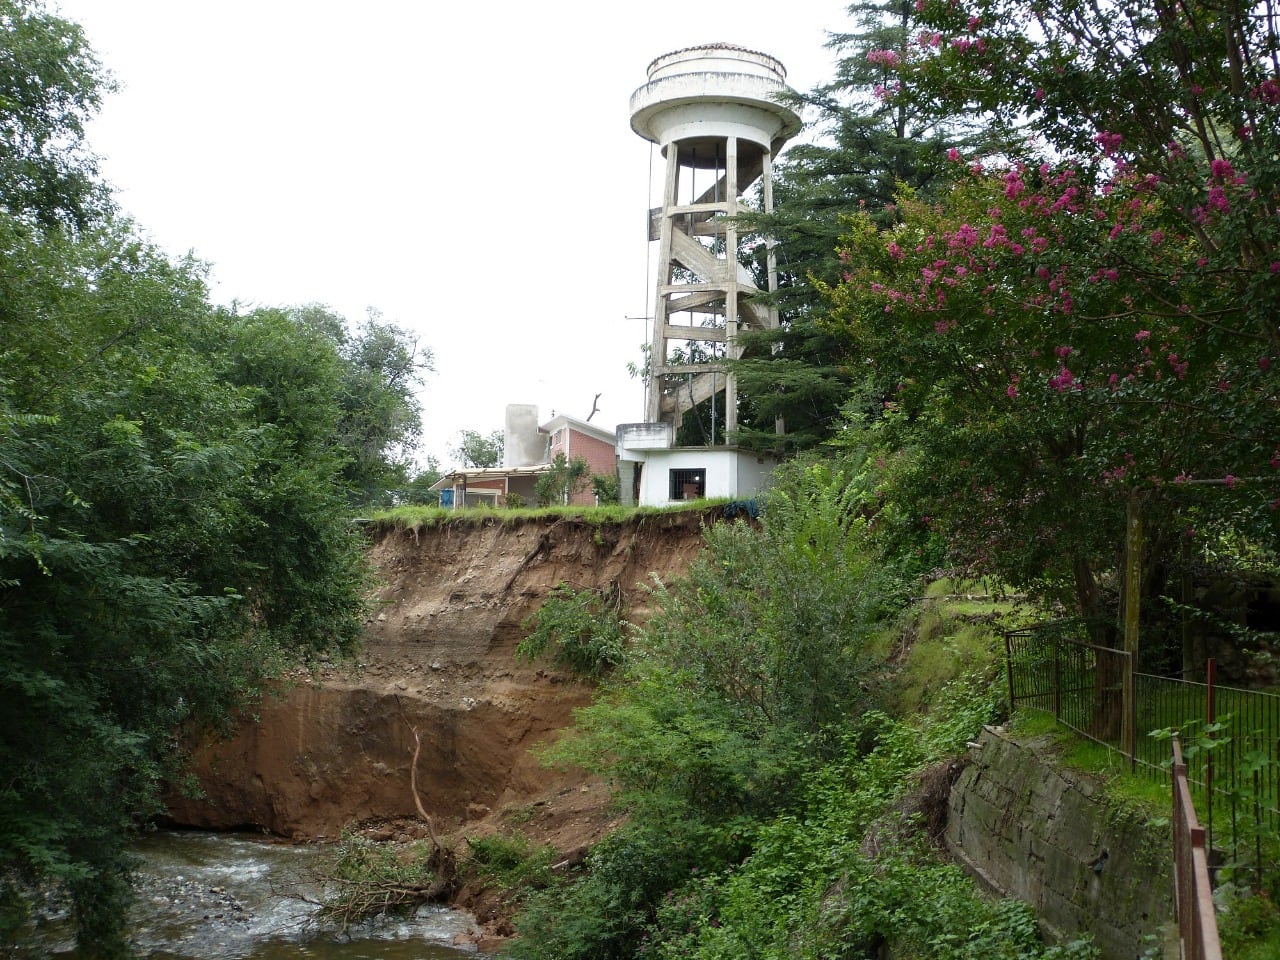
column 1008, row 663
column 1132, row 601
column 1057, row 679
column 1211, row 717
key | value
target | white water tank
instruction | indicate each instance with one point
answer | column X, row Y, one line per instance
column 714, row 91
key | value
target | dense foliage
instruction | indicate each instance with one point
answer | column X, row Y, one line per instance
column 1030, row 341
column 726, row 697
column 849, row 873
column 770, row 804
column 51, row 83
column 379, row 370
column 174, row 487
column 866, row 145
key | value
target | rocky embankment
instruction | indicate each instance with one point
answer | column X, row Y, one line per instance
column 439, row 665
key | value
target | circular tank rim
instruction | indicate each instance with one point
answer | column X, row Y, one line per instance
column 763, row 58
column 647, row 101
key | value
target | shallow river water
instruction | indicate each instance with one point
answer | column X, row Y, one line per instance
column 234, row 897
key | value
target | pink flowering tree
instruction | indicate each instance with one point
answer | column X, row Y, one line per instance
column 1092, row 315
column 1053, row 350
column 1179, row 101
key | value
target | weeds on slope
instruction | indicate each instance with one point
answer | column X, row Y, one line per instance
column 775, row 809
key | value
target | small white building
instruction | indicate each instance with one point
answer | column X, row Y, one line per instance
column 653, row 473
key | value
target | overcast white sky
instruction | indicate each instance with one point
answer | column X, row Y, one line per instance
column 465, row 168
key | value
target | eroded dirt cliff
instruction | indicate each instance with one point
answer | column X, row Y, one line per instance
column 439, row 659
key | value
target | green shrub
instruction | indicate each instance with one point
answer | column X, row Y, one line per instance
column 608, row 913
column 1248, row 925
column 582, row 630
column 509, row 861
column 845, row 875
column 565, row 478
column 605, row 487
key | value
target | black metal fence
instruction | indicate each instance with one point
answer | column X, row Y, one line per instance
column 1230, row 737
column 1080, row 683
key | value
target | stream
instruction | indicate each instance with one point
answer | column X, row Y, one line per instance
column 208, row 896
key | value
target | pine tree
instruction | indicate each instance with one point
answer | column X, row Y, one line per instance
column 868, row 146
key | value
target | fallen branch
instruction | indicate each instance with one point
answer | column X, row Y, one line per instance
column 357, row 901
column 413, row 779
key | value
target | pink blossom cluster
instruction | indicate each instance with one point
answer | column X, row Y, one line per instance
column 1110, row 142
column 1064, row 380
column 1022, row 251
column 1268, row 91
column 1120, row 471
column 1224, row 182
column 970, row 250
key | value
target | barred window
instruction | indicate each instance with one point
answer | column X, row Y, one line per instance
column 688, row 484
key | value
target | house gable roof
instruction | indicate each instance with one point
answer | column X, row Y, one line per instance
column 581, row 426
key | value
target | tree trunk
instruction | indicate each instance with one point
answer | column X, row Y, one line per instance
column 1107, row 714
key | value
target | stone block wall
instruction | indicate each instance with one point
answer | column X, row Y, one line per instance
column 1026, row 829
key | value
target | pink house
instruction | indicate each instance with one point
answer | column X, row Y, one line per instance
column 577, row 438
column 529, row 448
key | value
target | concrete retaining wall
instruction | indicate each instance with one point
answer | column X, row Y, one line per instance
column 1028, row 830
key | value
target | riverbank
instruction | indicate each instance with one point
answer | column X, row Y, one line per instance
column 438, row 679
column 210, row 896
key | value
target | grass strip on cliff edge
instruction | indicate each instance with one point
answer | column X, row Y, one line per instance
column 418, row 518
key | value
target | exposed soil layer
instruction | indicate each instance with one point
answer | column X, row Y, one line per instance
column 439, row 660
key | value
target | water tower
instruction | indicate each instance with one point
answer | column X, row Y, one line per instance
column 714, row 112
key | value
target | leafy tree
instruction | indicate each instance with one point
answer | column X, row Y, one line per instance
column 50, row 84
column 380, row 421
column 479, row 450
column 418, row 489
column 172, row 501
column 172, row 532
column 565, row 478
column 868, row 143
column 1045, row 326
column 1178, row 100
